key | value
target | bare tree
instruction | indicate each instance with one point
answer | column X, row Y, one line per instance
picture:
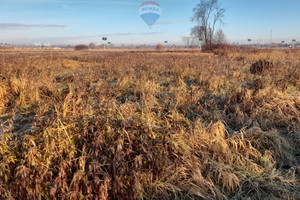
column 219, row 37
column 207, row 14
column 191, row 41
column 92, row 45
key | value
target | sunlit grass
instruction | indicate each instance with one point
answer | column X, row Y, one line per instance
column 191, row 125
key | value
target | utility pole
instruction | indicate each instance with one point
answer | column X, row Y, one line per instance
column 293, row 43
column 249, row 40
column 282, row 43
column 271, row 34
column 104, row 39
column 166, row 42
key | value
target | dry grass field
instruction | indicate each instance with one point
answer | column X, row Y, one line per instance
column 149, row 125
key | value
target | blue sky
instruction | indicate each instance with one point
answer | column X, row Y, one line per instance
column 85, row 21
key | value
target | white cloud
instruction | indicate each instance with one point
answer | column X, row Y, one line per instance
column 14, row 26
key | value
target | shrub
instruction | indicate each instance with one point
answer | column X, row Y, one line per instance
column 159, row 47
column 261, row 66
column 81, row 47
column 212, row 47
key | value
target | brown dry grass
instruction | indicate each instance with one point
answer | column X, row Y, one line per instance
column 147, row 125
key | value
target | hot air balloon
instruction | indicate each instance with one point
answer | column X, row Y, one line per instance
column 150, row 11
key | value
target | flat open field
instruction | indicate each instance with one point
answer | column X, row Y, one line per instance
column 150, row 125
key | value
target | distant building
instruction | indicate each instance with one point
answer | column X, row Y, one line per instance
column 47, row 45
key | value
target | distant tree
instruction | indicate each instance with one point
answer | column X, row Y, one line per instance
column 207, row 14
column 92, row 45
column 81, row 47
column 186, row 41
column 219, row 37
column 159, row 47
column 191, row 41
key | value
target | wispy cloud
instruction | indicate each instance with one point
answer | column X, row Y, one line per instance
column 124, row 3
column 77, row 39
column 152, row 33
column 173, row 22
column 16, row 26
column 109, row 35
column 164, row 23
column 66, row 7
column 112, row 2
column 127, row 34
